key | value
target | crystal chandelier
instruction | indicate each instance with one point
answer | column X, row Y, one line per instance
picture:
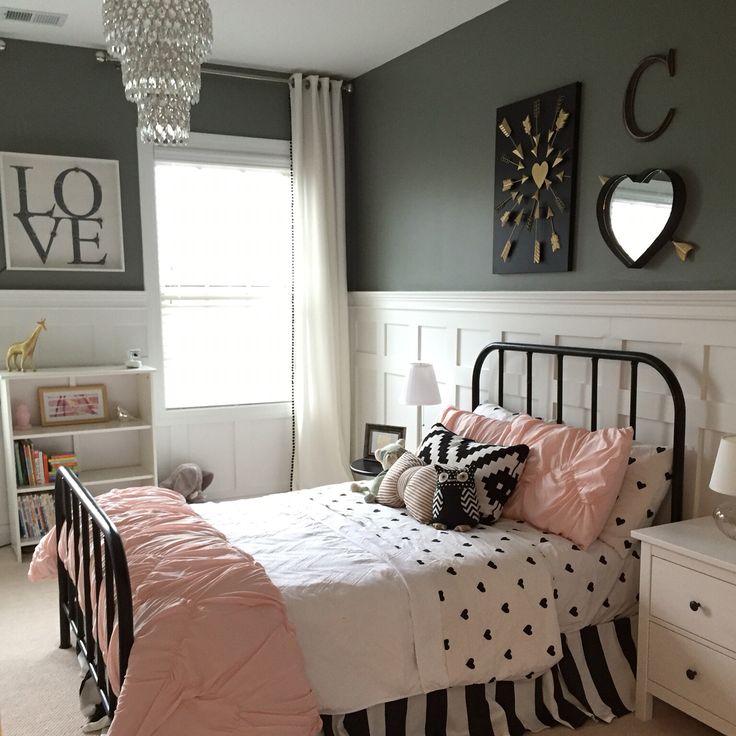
column 161, row 45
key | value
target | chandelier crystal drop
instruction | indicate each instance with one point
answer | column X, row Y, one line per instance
column 161, row 45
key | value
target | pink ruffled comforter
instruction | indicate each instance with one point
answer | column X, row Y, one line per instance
column 214, row 652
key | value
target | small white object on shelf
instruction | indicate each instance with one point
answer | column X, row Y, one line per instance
column 134, row 359
column 686, row 649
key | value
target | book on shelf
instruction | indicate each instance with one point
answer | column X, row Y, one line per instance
column 35, row 468
column 36, row 514
column 68, row 460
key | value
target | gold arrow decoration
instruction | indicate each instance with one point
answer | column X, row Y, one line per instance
column 499, row 207
column 603, row 179
column 505, row 217
column 537, row 252
column 559, row 158
column 683, row 249
column 506, row 250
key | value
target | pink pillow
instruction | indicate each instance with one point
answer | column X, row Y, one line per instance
column 474, row 426
column 572, row 477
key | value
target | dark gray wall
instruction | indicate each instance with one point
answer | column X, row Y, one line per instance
column 422, row 142
column 57, row 100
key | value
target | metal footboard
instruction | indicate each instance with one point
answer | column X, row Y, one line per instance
column 98, row 566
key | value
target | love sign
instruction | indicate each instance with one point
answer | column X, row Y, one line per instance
column 60, row 213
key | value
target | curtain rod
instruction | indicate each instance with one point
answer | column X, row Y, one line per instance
column 104, row 58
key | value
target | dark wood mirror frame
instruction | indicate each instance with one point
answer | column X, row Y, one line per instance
column 665, row 236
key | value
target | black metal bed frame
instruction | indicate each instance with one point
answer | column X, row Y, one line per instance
column 103, row 562
column 96, row 540
column 595, row 355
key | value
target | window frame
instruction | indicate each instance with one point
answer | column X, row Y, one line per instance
column 202, row 148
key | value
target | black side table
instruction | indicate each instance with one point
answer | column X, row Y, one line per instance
column 366, row 467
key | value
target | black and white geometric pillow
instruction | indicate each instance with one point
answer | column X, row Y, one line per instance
column 455, row 502
column 498, row 469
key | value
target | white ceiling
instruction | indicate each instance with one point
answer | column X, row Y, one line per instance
column 340, row 37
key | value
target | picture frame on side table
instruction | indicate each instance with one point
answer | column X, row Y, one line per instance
column 73, row 404
column 380, row 435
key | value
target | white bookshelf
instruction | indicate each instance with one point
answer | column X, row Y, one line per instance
column 113, row 454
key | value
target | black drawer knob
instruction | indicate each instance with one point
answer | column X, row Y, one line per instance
column 694, row 606
column 691, row 674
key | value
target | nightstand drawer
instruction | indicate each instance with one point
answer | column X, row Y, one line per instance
column 693, row 671
column 691, row 600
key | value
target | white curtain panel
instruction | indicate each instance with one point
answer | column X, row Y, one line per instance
column 321, row 359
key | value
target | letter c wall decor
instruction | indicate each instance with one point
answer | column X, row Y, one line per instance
column 632, row 126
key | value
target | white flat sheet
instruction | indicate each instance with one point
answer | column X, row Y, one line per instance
column 386, row 608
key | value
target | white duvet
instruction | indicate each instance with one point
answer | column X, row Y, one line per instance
column 386, row 608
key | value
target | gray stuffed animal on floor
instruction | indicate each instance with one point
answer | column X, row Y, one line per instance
column 189, row 480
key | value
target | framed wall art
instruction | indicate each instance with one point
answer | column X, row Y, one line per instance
column 60, row 213
column 534, row 183
column 72, row 404
column 380, row 435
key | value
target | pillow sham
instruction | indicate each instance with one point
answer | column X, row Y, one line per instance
column 388, row 491
column 571, row 479
column 646, row 482
column 497, row 468
column 475, row 426
column 494, row 411
column 455, row 502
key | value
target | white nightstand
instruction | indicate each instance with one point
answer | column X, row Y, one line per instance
column 687, row 622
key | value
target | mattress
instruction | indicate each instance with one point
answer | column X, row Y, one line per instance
column 370, row 592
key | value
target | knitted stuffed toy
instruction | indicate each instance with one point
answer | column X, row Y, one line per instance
column 387, row 456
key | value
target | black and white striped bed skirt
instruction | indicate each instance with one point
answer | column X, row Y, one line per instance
column 595, row 678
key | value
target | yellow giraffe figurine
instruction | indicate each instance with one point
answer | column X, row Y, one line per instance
column 20, row 353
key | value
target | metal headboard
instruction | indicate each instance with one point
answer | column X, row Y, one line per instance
column 634, row 359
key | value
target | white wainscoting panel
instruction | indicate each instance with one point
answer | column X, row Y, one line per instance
column 248, row 448
column 693, row 332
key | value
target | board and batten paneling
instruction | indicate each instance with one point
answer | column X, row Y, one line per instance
column 693, row 332
column 248, row 448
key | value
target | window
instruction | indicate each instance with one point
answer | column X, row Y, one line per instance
column 225, row 261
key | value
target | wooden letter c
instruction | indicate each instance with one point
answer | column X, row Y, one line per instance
column 630, row 99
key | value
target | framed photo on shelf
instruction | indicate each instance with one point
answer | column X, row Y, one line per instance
column 380, row 435
column 72, row 404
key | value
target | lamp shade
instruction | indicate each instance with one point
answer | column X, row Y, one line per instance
column 421, row 386
column 723, row 479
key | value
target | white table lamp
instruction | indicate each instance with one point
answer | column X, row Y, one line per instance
column 421, row 389
column 723, row 480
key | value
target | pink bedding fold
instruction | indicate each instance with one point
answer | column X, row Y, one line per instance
column 214, row 652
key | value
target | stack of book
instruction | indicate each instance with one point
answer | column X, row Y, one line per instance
column 36, row 514
column 31, row 465
column 35, row 468
column 68, row 460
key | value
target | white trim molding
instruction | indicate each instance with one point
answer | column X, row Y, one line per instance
column 692, row 331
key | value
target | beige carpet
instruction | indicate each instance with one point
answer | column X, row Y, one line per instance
column 38, row 681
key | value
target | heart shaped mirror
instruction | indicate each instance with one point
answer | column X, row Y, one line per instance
column 637, row 215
